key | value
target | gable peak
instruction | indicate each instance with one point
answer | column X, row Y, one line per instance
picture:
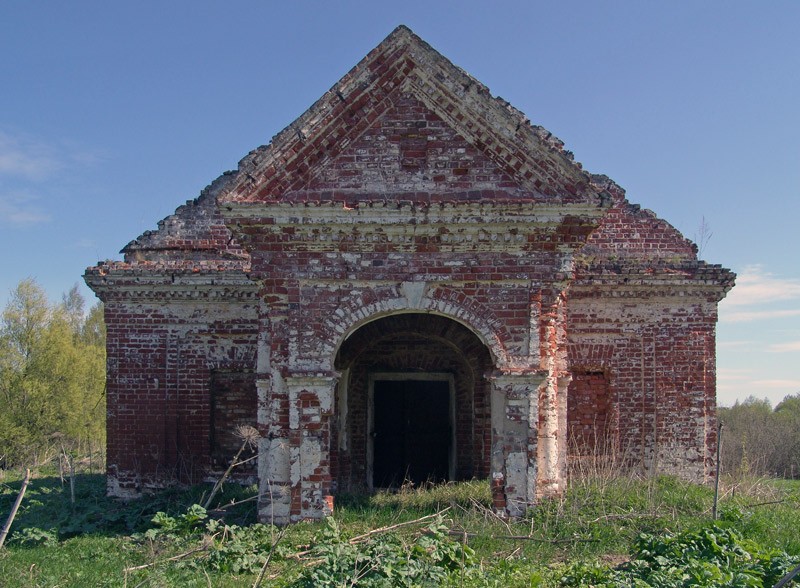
column 404, row 64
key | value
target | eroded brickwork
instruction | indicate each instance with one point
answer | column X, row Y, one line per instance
column 234, row 404
column 408, row 225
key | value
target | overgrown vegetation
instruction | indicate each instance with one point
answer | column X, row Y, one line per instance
column 759, row 440
column 52, row 378
column 608, row 531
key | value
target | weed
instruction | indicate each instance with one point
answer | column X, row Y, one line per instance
column 712, row 556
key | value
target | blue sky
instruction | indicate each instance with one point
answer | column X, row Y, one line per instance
column 112, row 115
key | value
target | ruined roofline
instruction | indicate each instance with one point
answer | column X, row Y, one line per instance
column 204, row 199
column 679, row 256
column 388, row 211
column 404, row 62
column 171, row 266
column 160, row 250
column 657, row 269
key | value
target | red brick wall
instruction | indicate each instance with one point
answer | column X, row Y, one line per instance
column 590, row 426
column 160, row 363
column 658, row 354
column 407, row 188
column 234, row 403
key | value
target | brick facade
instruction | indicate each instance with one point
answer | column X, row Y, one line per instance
column 408, row 226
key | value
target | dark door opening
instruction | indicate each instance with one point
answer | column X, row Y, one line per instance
column 412, row 432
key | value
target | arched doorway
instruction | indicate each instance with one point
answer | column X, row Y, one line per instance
column 412, row 404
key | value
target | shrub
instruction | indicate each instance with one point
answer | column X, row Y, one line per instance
column 712, row 556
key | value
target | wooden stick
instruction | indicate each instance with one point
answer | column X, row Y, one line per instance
column 766, row 503
column 14, row 508
column 173, row 558
column 627, row 515
column 456, row 533
column 234, row 462
column 365, row 536
column 238, row 502
column 263, row 571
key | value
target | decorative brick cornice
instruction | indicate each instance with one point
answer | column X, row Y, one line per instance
column 477, row 226
column 387, row 212
column 112, row 282
column 645, row 280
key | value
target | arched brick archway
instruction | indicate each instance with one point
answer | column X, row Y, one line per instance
column 416, row 348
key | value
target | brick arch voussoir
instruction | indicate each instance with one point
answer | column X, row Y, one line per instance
column 475, row 317
column 590, row 355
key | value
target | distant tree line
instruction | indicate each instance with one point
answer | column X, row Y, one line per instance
column 759, row 440
column 52, row 377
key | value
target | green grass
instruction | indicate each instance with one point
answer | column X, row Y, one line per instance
column 91, row 542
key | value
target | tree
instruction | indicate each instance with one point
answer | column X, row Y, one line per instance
column 787, row 415
column 761, row 441
column 52, row 374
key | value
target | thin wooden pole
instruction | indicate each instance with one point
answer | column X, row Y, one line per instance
column 716, row 478
column 14, row 508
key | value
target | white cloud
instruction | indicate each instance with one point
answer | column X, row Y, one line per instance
column 737, row 374
column 756, row 315
column 754, row 286
column 20, row 210
column 84, row 243
column 729, row 380
column 789, row 385
column 784, row 347
column 29, row 167
column 738, row 384
column 760, row 295
column 27, row 158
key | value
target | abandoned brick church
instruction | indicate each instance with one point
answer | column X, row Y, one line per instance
column 410, row 282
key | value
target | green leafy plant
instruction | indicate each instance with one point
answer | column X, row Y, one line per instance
column 219, row 546
column 712, row 556
column 240, row 549
column 35, row 536
column 184, row 525
column 430, row 558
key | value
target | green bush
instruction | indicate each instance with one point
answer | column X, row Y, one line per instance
column 712, row 556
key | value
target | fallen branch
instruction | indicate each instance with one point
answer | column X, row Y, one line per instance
column 365, row 536
column 15, row 508
column 489, row 512
column 787, row 578
column 173, row 558
column 766, row 503
column 236, row 503
column 457, row 533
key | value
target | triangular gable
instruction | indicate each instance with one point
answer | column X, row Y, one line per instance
column 403, row 67
column 408, row 149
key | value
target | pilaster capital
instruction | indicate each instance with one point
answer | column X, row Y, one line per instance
column 514, row 378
